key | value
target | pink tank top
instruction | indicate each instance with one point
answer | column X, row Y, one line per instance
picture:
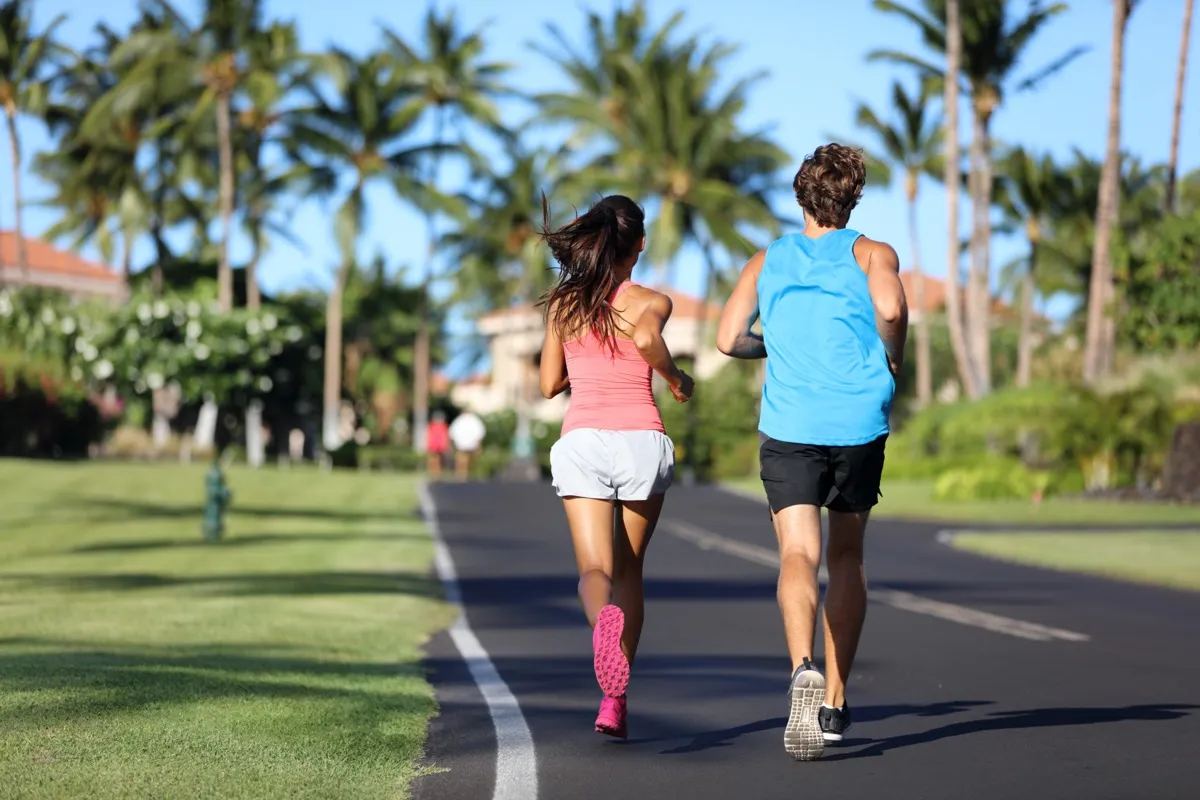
column 609, row 390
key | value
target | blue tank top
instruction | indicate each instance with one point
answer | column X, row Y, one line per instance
column 828, row 381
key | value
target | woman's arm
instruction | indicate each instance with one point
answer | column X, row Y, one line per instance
column 647, row 337
column 734, row 337
column 552, row 372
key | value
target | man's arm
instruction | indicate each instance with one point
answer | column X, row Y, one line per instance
column 734, row 337
column 891, row 306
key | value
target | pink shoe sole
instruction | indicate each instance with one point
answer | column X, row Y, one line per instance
column 613, row 731
column 612, row 668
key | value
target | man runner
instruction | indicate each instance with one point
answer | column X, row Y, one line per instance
column 834, row 322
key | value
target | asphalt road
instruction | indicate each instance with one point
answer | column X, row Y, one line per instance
column 975, row 679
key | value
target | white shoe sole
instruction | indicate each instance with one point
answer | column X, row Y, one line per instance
column 802, row 738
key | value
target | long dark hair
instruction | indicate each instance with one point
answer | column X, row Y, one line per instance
column 588, row 251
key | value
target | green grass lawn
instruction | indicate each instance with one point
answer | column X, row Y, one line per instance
column 1159, row 557
column 914, row 500
column 136, row 661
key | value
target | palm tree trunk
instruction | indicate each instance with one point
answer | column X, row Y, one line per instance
column 332, row 400
column 924, row 368
column 127, row 254
column 978, row 284
column 253, row 293
column 1025, row 335
column 15, row 142
column 225, row 157
column 421, row 353
column 952, row 178
column 156, row 227
column 1097, row 355
column 691, row 435
column 1176, row 119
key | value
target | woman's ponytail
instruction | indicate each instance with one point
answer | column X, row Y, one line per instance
column 589, row 250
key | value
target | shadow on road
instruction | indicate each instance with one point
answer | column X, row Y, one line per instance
column 724, row 737
column 1021, row 720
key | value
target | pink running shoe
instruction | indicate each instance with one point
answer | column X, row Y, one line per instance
column 612, row 668
column 611, row 719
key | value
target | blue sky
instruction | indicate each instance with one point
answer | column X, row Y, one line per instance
column 814, row 53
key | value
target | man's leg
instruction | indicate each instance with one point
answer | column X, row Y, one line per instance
column 857, row 471
column 845, row 600
column 798, row 529
column 796, row 479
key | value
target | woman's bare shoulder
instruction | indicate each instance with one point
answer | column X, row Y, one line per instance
column 643, row 297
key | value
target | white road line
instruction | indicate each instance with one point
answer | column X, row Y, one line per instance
column 707, row 540
column 516, row 761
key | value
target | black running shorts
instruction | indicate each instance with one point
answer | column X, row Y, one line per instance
column 840, row 478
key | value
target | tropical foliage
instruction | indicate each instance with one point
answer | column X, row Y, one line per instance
column 195, row 126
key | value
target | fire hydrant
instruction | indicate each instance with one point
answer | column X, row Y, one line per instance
column 217, row 497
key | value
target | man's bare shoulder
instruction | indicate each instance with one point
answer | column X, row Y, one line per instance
column 870, row 253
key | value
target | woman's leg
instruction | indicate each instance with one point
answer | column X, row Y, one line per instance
column 591, row 523
column 635, row 526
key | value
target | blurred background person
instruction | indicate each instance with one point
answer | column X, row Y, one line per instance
column 467, row 432
column 437, row 443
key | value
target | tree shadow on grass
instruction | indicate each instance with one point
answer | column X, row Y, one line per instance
column 248, row 540
column 72, row 681
column 238, row 585
column 106, row 510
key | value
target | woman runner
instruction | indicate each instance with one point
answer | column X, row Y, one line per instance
column 613, row 462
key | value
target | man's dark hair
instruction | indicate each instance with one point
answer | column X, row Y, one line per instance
column 829, row 184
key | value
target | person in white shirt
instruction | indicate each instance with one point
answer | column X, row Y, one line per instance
column 466, row 432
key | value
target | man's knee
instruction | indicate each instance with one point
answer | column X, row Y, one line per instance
column 798, row 529
column 847, row 533
column 799, row 560
column 844, row 551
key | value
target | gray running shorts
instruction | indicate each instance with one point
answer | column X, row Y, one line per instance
column 612, row 465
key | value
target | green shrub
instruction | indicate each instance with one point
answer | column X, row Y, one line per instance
column 390, row 458
column 43, row 413
column 995, row 480
column 346, row 456
column 490, row 462
column 727, row 430
column 1112, row 439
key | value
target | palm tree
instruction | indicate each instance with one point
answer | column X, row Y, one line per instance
column 992, row 46
column 497, row 247
column 603, row 88
column 226, row 31
column 1067, row 244
column 454, row 85
column 1177, row 116
column 1101, row 328
column 94, row 179
column 25, row 57
column 357, row 128
column 952, row 178
column 914, row 145
column 677, row 140
column 1031, row 189
column 500, row 256
column 147, row 109
column 273, row 59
